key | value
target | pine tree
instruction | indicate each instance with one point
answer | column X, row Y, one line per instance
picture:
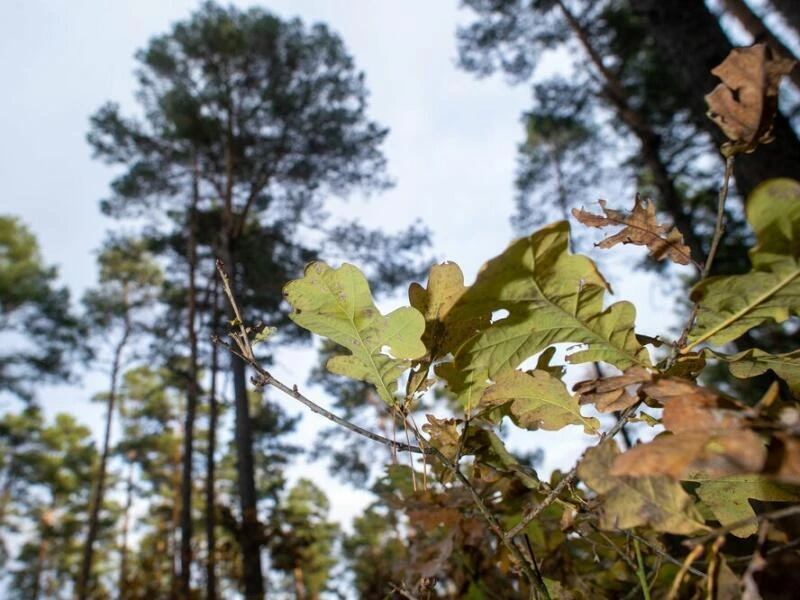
column 268, row 117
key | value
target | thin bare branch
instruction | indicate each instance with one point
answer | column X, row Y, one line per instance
column 568, row 479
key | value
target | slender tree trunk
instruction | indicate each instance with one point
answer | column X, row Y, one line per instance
column 790, row 11
column 123, row 561
column 84, row 581
column 299, row 584
column 174, row 533
column 650, row 142
column 250, row 539
column 692, row 43
column 756, row 27
column 192, row 395
column 211, row 508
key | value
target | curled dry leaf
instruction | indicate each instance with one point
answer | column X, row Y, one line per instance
column 689, row 407
column 443, row 434
column 640, row 228
column 744, row 104
column 611, row 393
column 678, row 456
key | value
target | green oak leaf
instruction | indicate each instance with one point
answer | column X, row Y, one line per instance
column 337, row 304
column 731, row 305
column 551, row 296
column 728, row 497
column 754, row 362
column 630, row 502
column 537, row 400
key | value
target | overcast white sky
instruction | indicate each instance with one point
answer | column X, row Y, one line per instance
column 451, row 148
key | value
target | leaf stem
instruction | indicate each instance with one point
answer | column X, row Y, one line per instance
column 640, row 570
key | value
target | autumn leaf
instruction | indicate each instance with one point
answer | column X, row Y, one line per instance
column 731, row 305
column 640, row 228
column 745, row 103
column 443, row 334
column 337, row 304
column 678, row 455
column 551, row 296
column 537, row 400
column 755, row 362
column 610, row 394
column 443, row 434
column 729, row 497
column 630, row 502
column 689, row 407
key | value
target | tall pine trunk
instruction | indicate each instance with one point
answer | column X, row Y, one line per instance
column 126, row 519
column 191, row 395
column 691, row 42
column 211, row 502
column 250, row 538
column 84, row 580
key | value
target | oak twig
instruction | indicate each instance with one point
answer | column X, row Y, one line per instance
column 264, row 378
column 568, row 479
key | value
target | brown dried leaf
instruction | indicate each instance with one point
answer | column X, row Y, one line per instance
column 630, row 502
column 678, row 456
column 691, row 408
column 610, row 393
column 443, row 434
column 744, row 104
column 641, row 228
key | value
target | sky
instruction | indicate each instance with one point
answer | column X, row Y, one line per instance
column 451, row 150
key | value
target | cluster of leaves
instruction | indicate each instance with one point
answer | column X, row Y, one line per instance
column 717, row 468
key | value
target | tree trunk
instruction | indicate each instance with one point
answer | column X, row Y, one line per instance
column 211, row 508
column 299, row 584
column 650, row 142
column 692, row 43
column 192, row 394
column 84, row 580
column 250, row 538
column 123, row 561
column 790, row 11
column 760, row 33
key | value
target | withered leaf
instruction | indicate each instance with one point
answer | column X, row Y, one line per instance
column 629, row 502
column 783, row 459
column 640, row 228
column 610, row 393
column 680, row 455
column 689, row 407
column 744, row 104
column 443, row 434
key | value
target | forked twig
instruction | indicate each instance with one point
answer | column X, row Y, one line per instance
column 264, row 378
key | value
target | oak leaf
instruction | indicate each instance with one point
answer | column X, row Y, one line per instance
column 537, row 400
column 754, row 362
column 630, row 502
column 729, row 497
column 640, row 228
column 745, row 103
column 551, row 296
column 337, row 304
column 679, row 455
column 610, row 394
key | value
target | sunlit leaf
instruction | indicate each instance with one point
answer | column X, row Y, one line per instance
column 337, row 304
column 537, row 400
column 551, row 296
